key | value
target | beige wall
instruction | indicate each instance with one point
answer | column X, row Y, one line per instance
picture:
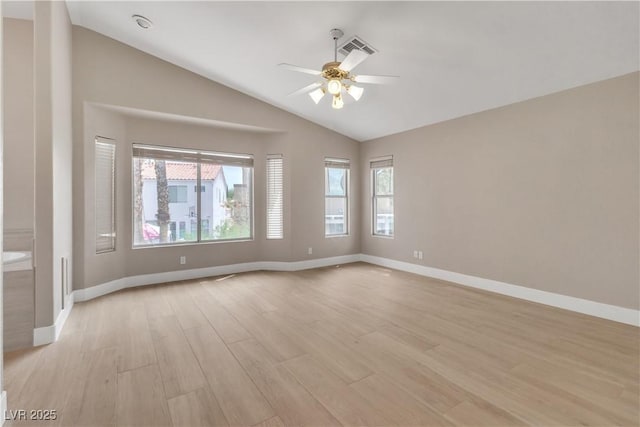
column 52, row 100
column 108, row 72
column 542, row 193
column 19, row 170
column 90, row 268
column 43, row 251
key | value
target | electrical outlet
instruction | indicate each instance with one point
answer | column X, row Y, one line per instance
column 183, row 259
column 415, row 254
column 419, row 254
column 310, row 251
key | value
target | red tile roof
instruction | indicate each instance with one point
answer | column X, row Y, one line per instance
column 182, row 171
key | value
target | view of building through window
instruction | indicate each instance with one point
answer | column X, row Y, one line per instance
column 168, row 208
column 336, row 197
column 382, row 181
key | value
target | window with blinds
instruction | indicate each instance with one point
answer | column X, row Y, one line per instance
column 165, row 209
column 105, row 194
column 275, row 196
column 382, row 196
column 336, row 197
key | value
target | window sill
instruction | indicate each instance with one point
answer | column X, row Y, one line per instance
column 382, row 236
column 333, row 236
column 203, row 243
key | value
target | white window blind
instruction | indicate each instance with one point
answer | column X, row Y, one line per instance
column 336, row 163
column 382, row 162
column 183, row 155
column 275, row 197
column 105, row 192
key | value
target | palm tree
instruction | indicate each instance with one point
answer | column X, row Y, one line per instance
column 138, row 214
column 162, row 188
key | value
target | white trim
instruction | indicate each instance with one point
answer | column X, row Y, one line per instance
column 3, row 406
column 579, row 305
column 197, row 273
column 51, row 333
column 44, row 335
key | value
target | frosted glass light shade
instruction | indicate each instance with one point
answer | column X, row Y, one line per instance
column 355, row 92
column 334, row 86
column 317, row 95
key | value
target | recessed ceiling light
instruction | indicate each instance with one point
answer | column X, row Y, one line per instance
column 144, row 23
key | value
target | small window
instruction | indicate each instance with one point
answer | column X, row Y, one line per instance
column 382, row 197
column 177, row 194
column 275, row 197
column 105, row 193
column 336, row 197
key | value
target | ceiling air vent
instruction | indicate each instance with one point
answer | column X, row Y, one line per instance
column 356, row 42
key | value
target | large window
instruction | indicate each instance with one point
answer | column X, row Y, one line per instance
column 382, row 196
column 166, row 210
column 336, row 197
column 105, row 192
column 275, row 197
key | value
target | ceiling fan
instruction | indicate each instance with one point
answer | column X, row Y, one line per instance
column 337, row 76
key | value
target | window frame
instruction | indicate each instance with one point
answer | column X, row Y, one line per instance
column 374, row 165
column 345, row 164
column 198, row 157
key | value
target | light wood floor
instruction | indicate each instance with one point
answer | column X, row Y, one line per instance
column 351, row 345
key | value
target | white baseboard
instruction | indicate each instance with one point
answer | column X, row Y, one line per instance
column 579, row 305
column 49, row 334
column 44, row 335
column 3, row 406
column 197, row 273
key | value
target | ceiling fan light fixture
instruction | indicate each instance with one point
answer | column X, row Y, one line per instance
column 317, row 94
column 355, row 91
column 334, row 86
column 337, row 103
column 337, row 74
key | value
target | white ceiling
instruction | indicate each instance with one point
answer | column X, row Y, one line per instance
column 454, row 58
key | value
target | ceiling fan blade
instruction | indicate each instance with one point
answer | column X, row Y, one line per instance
column 300, row 69
column 379, row 80
column 352, row 60
column 306, row 89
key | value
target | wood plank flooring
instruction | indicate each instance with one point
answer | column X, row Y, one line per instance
column 354, row 345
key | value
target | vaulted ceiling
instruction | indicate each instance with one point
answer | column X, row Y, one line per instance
column 453, row 58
